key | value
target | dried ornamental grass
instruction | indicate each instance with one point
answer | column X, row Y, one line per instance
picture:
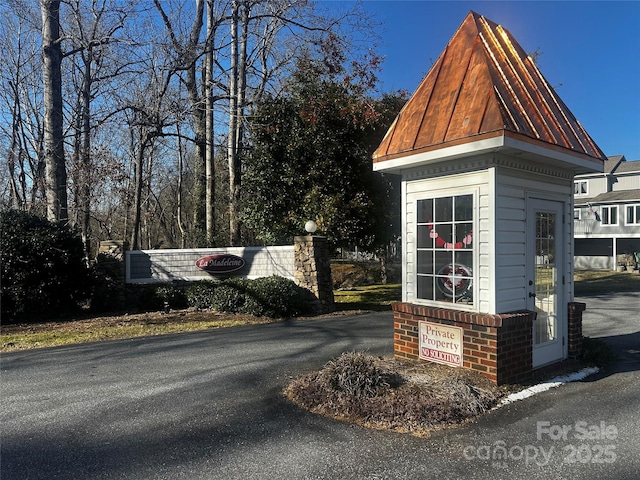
column 393, row 394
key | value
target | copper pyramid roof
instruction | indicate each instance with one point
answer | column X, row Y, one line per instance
column 484, row 85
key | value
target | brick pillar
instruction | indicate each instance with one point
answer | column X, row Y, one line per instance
column 313, row 270
column 575, row 328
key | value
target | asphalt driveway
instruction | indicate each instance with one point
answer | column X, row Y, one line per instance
column 207, row 405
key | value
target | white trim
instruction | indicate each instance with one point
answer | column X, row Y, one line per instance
column 403, row 216
column 609, row 223
column 636, row 214
column 440, row 193
column 493, row 144
column 581, row 182
column 441, row 154
column 493, row 202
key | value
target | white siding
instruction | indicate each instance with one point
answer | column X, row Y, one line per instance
column 502, row 187
column 513, row 189
column 149, row 266
column 596, row 186
column 626, row 182
column 478, row 183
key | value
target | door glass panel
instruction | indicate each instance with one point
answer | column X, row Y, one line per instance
column 545, row 281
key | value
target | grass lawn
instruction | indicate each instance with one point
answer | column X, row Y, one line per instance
column 49, row 332
column 371, row 297
column 593, row 282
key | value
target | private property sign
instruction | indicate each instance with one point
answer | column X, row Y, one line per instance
column 440, row 343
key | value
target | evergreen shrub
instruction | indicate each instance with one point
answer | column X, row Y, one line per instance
column 199, row 295
column 42, row 267
column 274, row 296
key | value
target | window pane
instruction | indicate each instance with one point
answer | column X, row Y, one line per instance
column 443, row 258
column 424, row 237
column 464, row 262
column 443, row 236
column 464, row 208
column 605, row 216
column 425, row 262
column 425, row 287
column 630, row 214
column 425, row 211
column 464, row 235
column 444, row 209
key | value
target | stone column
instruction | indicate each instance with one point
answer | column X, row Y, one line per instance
column 313, row 270
column 110, row 292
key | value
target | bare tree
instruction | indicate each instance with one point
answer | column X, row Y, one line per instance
column 92, row 34
column 55, row 168
column 210, row 174
column 22, row 134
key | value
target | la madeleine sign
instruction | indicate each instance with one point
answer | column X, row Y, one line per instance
column 220, row 263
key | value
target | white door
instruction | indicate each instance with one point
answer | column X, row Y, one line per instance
column 545, row 279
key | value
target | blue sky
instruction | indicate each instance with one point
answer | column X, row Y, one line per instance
column 590, row 53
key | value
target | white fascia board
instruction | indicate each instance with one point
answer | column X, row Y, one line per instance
column 567, row 159
column 441, row 154
column 502, row 142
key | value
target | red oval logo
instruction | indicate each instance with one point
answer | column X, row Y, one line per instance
column 221, row 263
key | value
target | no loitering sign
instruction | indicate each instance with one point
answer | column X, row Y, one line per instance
column 440, row 343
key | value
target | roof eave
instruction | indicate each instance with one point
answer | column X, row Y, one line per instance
column 503, row 141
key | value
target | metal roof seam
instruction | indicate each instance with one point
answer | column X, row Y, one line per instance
column 439, row 64
column 547, row 107
column 505, row 80
column 462, row 82
column 526, row 86
column 557, row 101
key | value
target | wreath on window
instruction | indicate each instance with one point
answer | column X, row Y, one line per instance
column 455, row 281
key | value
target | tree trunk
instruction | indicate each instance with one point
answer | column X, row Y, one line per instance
column 232, row 143
column 137, row 196
column 209, row 130
column 55, row 168
column 85, row 160
column 183, row 235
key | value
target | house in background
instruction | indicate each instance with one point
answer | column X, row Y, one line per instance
column 607, row 215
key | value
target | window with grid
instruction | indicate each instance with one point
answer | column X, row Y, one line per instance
column 609, row 215
column 445, row 249
column 633, row 215
column 581, row 187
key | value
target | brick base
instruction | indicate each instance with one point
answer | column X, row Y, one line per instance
column 499, row 347
column 496, row 346
column 575, row 329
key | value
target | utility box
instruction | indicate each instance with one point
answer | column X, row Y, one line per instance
column 487, row 152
